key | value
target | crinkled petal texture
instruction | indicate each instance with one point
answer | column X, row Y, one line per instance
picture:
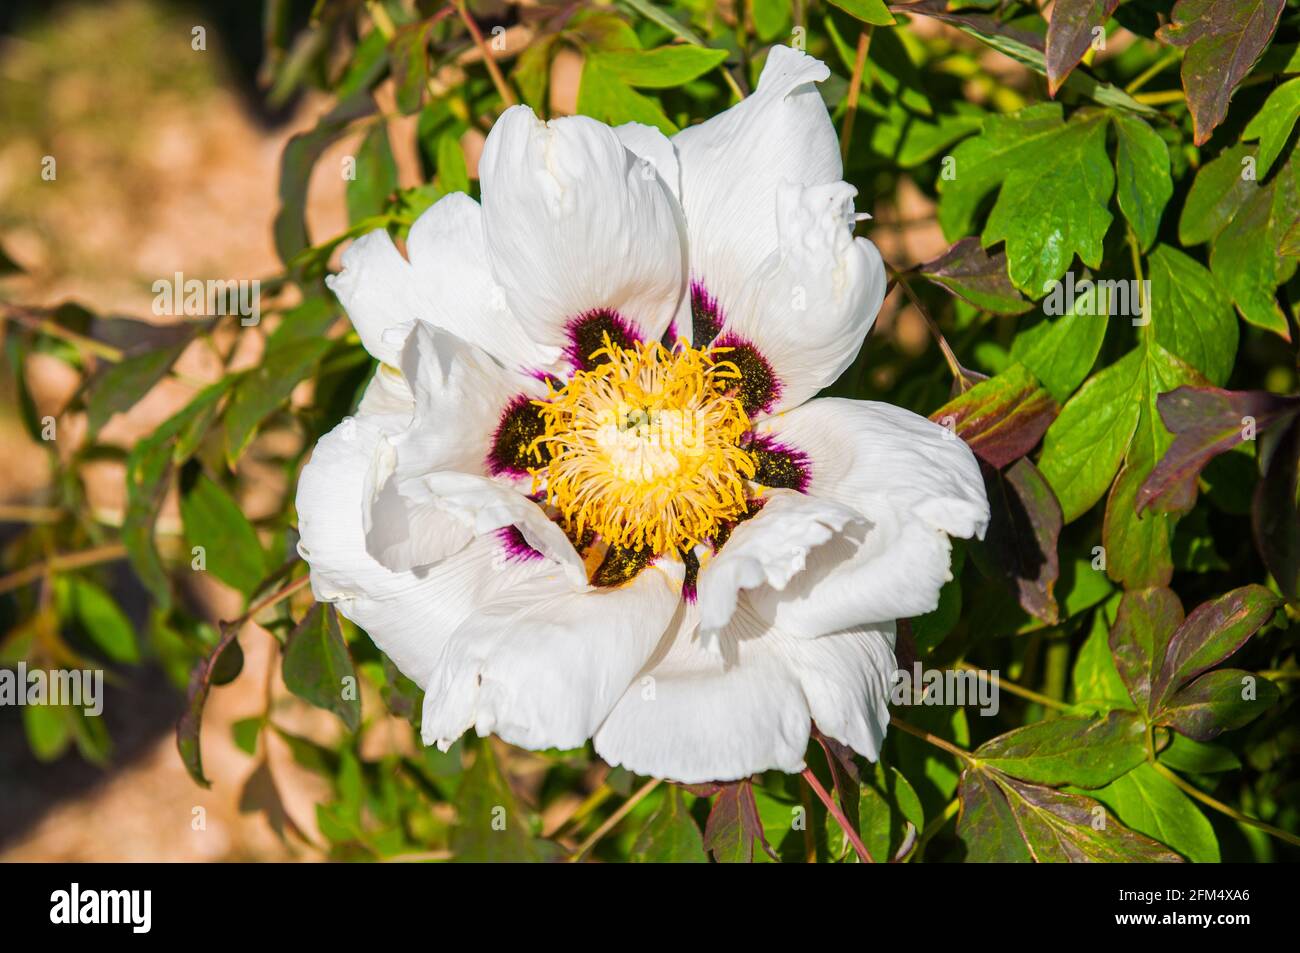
column 576, row 223
column 773, row 260
column 416, row 515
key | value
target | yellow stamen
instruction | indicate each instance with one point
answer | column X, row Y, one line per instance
column 643, row 447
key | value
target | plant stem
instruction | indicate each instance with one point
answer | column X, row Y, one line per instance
column 612, row 821
column 850, row 831
column 1195, row 792
column 958, row 753
column 273, row 599
column 1014, row 689
column 38, row 322
column 1162, row 98
column 953, row 364
column 13, row 513
column 1151, row 72
column 498, row 80
column 62, row 563
column 855, row 88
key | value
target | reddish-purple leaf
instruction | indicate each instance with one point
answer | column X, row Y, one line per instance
column 1070, row 33
column 1214, row 631
column 218, row 668
column 1275, row 516
column 1223, row 39
column 1004, row 820
column 1002, row 418
column 1146, row 621
column 1021, row 542
column 1220, row 701
column 970, row 272
column 734, row 825
column 1206, row 422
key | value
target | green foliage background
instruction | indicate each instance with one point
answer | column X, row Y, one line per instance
column 1143, row 473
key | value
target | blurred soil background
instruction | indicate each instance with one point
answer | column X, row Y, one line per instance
column 167, row 161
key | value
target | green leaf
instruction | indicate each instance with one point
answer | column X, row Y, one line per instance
column 1061, row 351
column 868, row 11
column 1218, row 701
column 532, row 72
column 318, row 669
column 148, row 468
column 1079, row 750
column 291, row 353
column 602, row 95
column 1095, row 681
column 771, row 18
column 661, row 68
column 1151, row 804
column 887, row 808
column 1050, row 210
column 452, row 173
column 490, row 825
column 1197, row 757
column 102, row 620
column 245, row 733
column 1004, row 820
column 376, row 175
column 1083, row 448
column 1056, row 181
column 671, row 835
column 1144, row 185
column 1245, row 261
column 1273, row 123
column 1138, row 547
column 121, row 385
column 214, row 521
column 302, row 151
column 1222, row 40
column 408, row 56
column 1192, row 317
column 1219, row 189
column 48, row 729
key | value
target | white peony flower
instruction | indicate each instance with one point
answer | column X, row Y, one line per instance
column 589, row 494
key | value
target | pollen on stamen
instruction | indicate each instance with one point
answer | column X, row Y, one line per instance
column 643, row 447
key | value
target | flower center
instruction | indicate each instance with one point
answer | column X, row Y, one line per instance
column 643, row 447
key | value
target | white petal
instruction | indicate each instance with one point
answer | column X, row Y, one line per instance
column 656, row 152
column 387, row 393
column 573, row 225
column 768, row 549
column 733, row 164
column 408, row 615
column 378, row 290
column 697, row 715
column 449, row 258
column 485, row 506
column 809, row 307
column 459, row 393
column 542, row 666
column 914, row 482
